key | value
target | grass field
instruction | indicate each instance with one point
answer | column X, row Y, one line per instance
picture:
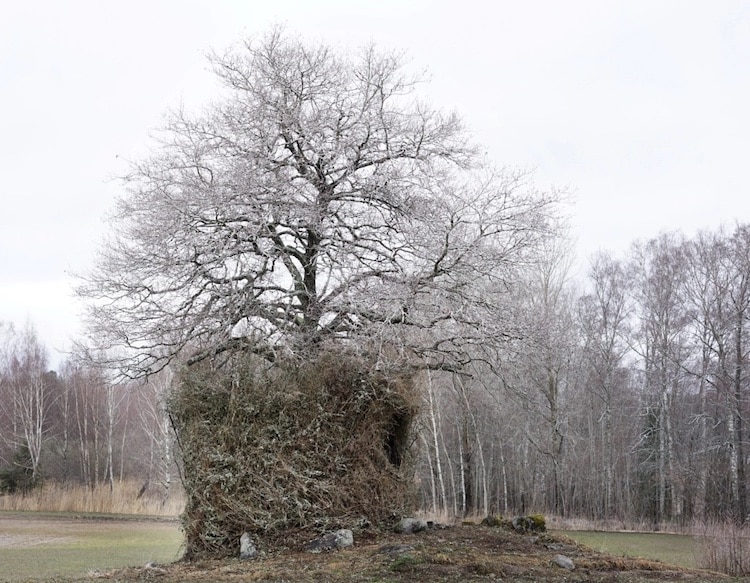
column 675, row 549
column 45, row 545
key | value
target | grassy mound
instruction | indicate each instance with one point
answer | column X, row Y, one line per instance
column 463, row 553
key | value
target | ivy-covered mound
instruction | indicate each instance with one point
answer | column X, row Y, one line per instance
column 268, row 448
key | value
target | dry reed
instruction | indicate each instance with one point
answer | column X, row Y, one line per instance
column 627, row 524
column 123, row 498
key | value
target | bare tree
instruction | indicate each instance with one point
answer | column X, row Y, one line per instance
column 28, row 397
column 433, row 451
column 89, row 419
column 707, row 290
column 319, row 203
column 540, row 376
column 319, row 199
column 740, row 311
column 154, row 420
column 662, row 337
column 604, row 317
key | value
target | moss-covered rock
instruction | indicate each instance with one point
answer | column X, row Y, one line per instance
column 494, row 521
column 531, row 523
column 538, row 522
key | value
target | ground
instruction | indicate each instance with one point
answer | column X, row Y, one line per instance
column 462, row 553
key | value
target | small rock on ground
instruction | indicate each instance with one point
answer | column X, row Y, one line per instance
column 564, row 562
column 248, row 551
column 332, row 541
column 410, row 526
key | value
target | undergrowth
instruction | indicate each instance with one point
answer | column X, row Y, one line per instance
column 724, row 547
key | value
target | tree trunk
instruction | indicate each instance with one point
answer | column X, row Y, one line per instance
column 435, row 427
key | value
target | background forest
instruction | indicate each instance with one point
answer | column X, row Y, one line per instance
column 623, row 396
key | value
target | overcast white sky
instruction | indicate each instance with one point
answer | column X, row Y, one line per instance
column 640, row 107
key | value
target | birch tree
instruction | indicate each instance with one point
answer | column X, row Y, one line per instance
column 706, row 290
column 89, row 418
column 154, row 420
column 604, row 317
column 662, row 338
column 28, row 395
column 542, row 375
column 739, row 245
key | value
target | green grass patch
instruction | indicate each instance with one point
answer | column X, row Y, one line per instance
column 674, row 549
column 34, row 547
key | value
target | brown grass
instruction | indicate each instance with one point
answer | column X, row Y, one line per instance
column 615, row 525
column 724, row 547
column 123, row 498
column 463, row 553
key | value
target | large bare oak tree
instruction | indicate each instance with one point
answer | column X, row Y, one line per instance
column 317, row 198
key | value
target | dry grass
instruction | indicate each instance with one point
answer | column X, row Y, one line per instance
column 724, row 547
column 463, row 553
column 616, row 525
column 123, row 498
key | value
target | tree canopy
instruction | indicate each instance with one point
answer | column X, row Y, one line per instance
column 319, row 198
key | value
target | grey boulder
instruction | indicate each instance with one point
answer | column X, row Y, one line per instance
column 248, row 550
column 410, row 526
column 564, row 562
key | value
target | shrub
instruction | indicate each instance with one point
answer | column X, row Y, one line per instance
column 724, row 547
column 267, row 448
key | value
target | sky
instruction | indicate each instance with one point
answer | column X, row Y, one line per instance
column 639, row 108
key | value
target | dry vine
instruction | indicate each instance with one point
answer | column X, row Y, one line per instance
column 306, row 446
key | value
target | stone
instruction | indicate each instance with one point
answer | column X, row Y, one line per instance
column 410, row 526
column 532, row 523
column 363, row 523
column 248, row 551
column 332, row 541
column 564, row 562
column 154, row 569
column 344, row 538
column 327, row 542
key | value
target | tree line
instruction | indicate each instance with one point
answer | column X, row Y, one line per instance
column 624, row 397
column 75, row 426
